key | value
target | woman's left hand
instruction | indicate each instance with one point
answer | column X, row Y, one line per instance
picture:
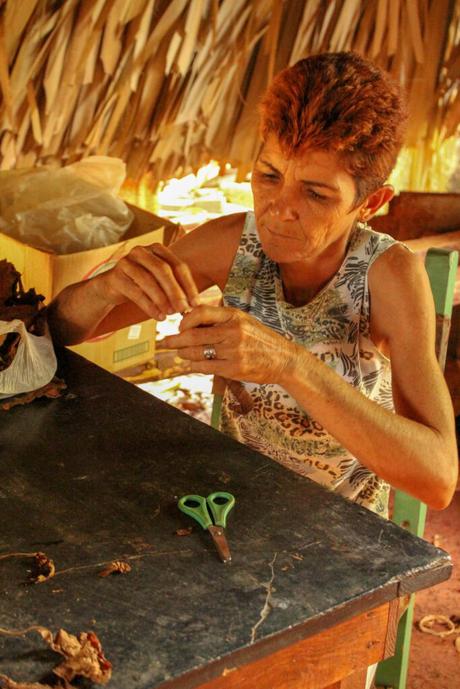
column 244, row 348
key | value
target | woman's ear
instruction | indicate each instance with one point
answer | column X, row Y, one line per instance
column 375, row 201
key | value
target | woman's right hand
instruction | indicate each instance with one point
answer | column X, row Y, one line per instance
column 152, row 277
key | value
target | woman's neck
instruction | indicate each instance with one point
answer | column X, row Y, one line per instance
column 303, row 280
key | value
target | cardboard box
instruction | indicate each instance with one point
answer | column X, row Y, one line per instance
column 122, row 349
column 49, row 273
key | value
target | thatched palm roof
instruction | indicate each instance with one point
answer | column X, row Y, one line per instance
column 168, row 84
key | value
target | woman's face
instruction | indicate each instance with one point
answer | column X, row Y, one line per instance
column 302, row 204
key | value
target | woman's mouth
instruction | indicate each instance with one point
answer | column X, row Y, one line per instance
column 279, row 234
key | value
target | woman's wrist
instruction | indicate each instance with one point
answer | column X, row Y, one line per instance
column 293, row 367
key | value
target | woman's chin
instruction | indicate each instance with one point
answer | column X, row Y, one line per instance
column 287, row 254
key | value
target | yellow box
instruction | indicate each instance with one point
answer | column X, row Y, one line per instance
column 122, row 349
column 49, row 273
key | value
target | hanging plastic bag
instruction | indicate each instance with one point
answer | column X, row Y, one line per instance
column 34, row 363
column 65, row 210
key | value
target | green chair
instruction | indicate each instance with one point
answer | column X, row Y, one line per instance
column 441, row 266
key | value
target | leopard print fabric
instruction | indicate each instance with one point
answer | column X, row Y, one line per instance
column 334, row 326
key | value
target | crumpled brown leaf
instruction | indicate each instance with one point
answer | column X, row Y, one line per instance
column 15, row 302
column 42, row 568
column 83, row 655
column 9, row 280
column 52, row 389
column 116, row 567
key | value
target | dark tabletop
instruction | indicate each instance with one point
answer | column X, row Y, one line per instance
column 95, row 476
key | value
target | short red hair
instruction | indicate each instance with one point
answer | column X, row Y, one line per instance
column 343, row 103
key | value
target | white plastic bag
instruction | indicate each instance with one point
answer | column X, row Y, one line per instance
column 34, row 364
column 67, row 209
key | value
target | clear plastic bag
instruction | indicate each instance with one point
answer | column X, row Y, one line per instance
column 65, row 210
column 34, row 363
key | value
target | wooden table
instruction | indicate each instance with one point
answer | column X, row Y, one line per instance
column 308, row 601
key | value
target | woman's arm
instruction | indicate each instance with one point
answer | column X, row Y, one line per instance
column 150, row 282
column 414, row 449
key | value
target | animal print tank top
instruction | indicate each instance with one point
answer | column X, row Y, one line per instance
column 334, row 326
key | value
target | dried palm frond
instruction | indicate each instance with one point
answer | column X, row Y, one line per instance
column 168, row 85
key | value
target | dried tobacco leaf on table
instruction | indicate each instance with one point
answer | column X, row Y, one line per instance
column 115, row 567
column 83, row 656
column 42, row 569
column 52, row 389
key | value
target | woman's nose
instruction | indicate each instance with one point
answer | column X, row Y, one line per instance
column 283, row 208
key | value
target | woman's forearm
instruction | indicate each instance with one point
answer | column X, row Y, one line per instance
column 76, row 312
column 408, row 454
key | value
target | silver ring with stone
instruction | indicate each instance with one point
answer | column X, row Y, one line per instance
column 209, row 352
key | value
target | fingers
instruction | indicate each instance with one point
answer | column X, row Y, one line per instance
column 146, row 302
column 197, row 353
column 196, row 337
column 157, row 267
column 142, row 288
column 207, row 315
column 188, row 290
column 155, row 279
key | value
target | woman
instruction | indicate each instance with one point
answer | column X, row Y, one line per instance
column 329, row 325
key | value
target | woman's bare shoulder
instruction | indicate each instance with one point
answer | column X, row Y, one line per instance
column 400, row 291
column 396, row 268
column 209, row 249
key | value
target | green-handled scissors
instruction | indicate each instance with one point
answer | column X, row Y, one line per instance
column 219, row 504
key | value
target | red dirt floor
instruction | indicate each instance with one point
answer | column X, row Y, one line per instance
column 434, row 662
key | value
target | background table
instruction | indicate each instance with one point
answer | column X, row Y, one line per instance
column 95, row 475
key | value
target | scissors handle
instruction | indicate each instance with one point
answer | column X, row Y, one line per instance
column 195, row 506
column 220, row 504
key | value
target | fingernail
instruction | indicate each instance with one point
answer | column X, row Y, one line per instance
column 196, row 301
column 161, row 317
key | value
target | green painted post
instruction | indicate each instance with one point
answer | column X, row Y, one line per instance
column 215, row 412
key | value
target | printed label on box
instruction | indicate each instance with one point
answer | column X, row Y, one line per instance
column 134, row 331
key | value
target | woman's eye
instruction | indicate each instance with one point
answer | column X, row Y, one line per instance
column 268, row 176
column 314, row 195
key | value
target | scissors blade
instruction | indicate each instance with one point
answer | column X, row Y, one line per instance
column 220, row 541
